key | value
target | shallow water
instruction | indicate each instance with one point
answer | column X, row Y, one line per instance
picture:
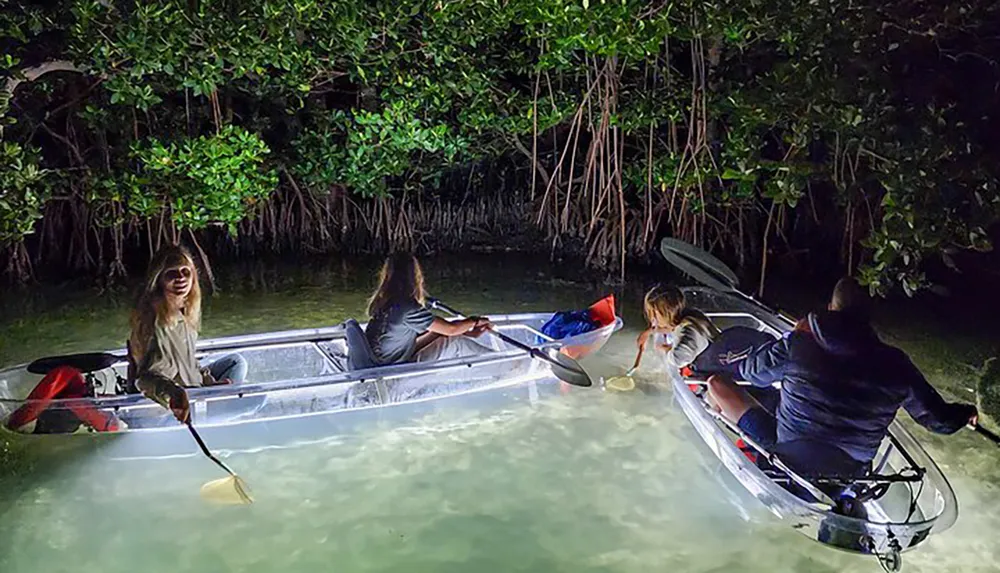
column 579, row 481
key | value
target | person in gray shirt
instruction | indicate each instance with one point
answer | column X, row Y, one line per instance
column 668, row 313
column 165, row 326
column 401, row 325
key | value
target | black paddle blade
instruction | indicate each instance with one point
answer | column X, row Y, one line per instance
column 699, row 265
column 564, row 367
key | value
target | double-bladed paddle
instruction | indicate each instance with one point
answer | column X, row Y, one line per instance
column 564, row 367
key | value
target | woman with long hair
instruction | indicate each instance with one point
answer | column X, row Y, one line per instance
column 401, row 328
column 667, row 312
column 164, row 330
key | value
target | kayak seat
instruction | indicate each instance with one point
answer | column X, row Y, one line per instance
column 359, row 352
column 85, row 363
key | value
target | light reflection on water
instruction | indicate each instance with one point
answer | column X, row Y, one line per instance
column 583, row 481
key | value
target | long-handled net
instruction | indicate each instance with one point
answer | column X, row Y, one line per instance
column 623, row 383
column 230, row 490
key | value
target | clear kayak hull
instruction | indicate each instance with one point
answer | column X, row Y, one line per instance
column 920, row 503
column 299, row 388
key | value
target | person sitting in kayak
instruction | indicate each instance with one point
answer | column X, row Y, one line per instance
column 165, row 326
column 402, row 329
column 841, row 387
column 667, row 312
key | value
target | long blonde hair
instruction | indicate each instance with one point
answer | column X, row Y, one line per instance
column 400, row 279
column 152, row 309
column 664, row 306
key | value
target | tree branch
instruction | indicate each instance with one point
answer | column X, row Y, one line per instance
column 516, row 142
column 33, row 73
column 65, row 141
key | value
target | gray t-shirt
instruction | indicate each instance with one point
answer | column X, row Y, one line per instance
column 392, row 332
column 169, row 360
column 691, row 337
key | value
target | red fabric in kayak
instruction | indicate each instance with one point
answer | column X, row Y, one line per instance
column 603, row 311
column 747, row 450
column 60, row 383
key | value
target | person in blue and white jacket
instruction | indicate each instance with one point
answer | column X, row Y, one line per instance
column 841, row 387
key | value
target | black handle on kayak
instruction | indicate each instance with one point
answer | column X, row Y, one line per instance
column 564, row 367
column 206, row 451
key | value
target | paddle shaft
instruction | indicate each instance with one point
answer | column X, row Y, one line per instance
column 565, row 368
column 516, row 343
column 989, row 435
column 206, row 451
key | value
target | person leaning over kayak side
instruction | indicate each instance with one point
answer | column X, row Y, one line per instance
column 402, row 328
column 667, row 312
column 165, row 326
column 841, row 387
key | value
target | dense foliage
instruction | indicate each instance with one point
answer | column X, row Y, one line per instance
column 859, row 132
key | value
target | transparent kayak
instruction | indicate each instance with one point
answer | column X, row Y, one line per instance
column 299, row 387
column 912, row 497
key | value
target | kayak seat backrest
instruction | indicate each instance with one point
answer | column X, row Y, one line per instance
column 359, row 352
column 603, row 311
column 85, row 363
column 728, row 349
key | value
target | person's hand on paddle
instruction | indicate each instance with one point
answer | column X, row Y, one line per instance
column 481, row 325
column 179, row 404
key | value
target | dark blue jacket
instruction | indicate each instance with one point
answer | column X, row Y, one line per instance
column 841, row 385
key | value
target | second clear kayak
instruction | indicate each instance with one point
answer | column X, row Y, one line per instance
column 300, row 386
column 905, row 496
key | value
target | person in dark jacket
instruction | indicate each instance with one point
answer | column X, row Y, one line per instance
column 841, row 387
